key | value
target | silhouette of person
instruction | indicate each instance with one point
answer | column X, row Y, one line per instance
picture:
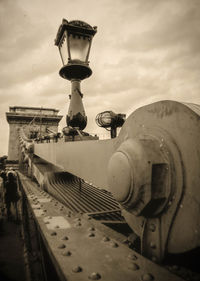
column 11, row 193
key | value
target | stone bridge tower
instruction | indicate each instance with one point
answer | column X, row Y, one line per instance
column 41, row 119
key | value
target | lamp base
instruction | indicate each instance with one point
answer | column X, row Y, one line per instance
column 75, row 71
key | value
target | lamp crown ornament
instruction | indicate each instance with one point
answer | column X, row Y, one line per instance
column 74, row 39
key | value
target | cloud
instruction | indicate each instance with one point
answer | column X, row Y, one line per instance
column 144, row 51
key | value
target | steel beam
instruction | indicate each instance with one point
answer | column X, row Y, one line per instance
column 85, row 159
column 79, row 250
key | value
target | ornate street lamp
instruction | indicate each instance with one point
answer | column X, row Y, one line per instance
column 74, row 39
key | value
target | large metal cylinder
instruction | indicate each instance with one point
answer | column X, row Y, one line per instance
column 154, row 175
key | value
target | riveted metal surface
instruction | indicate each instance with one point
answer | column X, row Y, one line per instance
column 57, row 222
column 176, row 127
column 80, row 256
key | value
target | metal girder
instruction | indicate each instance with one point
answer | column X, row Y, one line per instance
column 162, row 137
column 85, row 159
column 79, row 250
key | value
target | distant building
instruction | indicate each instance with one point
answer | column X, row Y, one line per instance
column 32, row 119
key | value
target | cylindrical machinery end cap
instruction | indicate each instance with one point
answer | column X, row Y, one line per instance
column 119, row 176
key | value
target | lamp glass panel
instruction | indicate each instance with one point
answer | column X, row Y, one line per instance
column 79, row 47
column 106, row 119
column 64, row 50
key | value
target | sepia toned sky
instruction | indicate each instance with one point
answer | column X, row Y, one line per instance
column 144, row 51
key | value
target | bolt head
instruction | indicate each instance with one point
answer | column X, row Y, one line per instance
column 147, row 277
column 77, row 269
column 95, row 276
column 65, row 238
column 67, row 253
column 91, row 234
column 132, row 256
column 53, row 233
column 106, row 239
column 91, row 228
column 133, row 266
column 61, row 246
column 125, row 241
column 114, row 244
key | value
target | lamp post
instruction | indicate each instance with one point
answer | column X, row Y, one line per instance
column 74, row 39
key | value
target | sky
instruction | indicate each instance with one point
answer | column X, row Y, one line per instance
column 144, row 51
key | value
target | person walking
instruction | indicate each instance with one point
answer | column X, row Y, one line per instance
column 2, row 190
column 11, row 193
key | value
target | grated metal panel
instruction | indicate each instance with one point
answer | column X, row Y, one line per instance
column 82, row 197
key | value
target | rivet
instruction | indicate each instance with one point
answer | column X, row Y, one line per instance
column 77, row 269
column 65, row 238
column 45, row 210
column 152, row 227
column 91, row 234
column 53, row 233
column 61, row 246
column 78, row 224
column 46, row 222
column 147, row 277
column 105, row 239
column 113, row 244
column 94, row 276
column 132, row 256
column 152, row 245
column 91, row 228
column 57, row 226
column 125, row 241
column 67, row 253
column 133, row 266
